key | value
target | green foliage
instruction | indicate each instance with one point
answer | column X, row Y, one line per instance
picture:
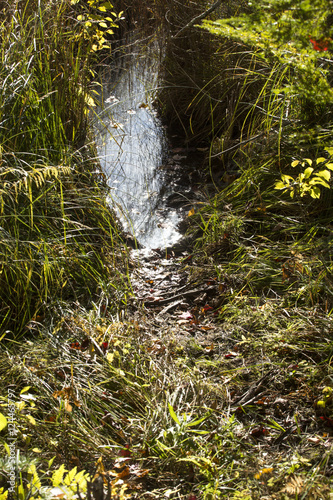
column 53, row 215
column 314, row 175
column 98, row 20
column 293, row 34
column 60, row 484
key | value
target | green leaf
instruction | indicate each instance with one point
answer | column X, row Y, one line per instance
column 307, row 172
column 199, row 420
column 35, row 478
column 287, row 178
column 3, row 422
column 315, row 192
column 194, row 431
column 31, row 419
column 280, row 185
column 58, row 475
column 107, row 5
column 25, row 389
column 173, row 415
column 319, row 180
column 325, row 174
column 275, row 425
column 70, row 476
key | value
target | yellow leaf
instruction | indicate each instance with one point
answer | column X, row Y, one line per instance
column 3, row 494
column 295, row 163
column 25, row 389
column 36, row 450
column 280, row 185
column 3, row 422
column 103, row 25
column 35, row 478
column 110, row 357
column 119, row 475
column 68, row 407
column 58, row 475
column 307, row 172
column 31, row 419
column 325, row 174
column 191, row 212
column 70, row 476
column 89, row 100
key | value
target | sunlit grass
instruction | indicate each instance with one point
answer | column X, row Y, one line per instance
column 57, row 230
column 95, row 376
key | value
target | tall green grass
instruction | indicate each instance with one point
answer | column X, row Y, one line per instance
column 58, row 235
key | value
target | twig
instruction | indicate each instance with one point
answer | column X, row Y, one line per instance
column 170, row 306
column 198, row 18
column 238, row 144
column 252, row 392
column 179, row 296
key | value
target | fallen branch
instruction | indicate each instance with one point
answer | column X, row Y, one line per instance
column 189, row 293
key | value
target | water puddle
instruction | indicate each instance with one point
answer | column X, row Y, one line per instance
column 132, row 146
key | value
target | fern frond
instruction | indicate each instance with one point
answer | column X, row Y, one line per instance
column 57, row 476
column 35, row 481
column 70, row 476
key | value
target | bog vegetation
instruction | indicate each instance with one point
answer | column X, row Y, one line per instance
column 99, row 391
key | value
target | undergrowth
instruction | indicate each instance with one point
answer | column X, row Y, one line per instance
column 58, row 235
column 100, row 392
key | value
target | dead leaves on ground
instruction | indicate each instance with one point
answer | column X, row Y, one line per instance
column 125, row 474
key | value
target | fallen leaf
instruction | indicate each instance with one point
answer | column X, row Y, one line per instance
column 57, row 493
column 104, row 346
column 314, row 440
column 185, row 315
column 125, row 452
column 139, row 472
column 259, row 432
column 327, row 421
column 120, row 475
column 231, row 355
